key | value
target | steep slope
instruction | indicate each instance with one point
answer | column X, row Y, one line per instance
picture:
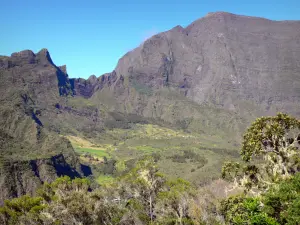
column 29, row 154
column 223, row 60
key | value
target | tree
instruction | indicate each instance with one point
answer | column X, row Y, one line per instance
column 270, row 153
column 23, row 210
column 175, row 200
column 145, row 182
column 245, row 210
column 282, row 201
column 134, row 198
column 279, row 205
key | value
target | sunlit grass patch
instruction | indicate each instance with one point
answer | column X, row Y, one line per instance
column 96, row 152
column 145, row 148
column 104, row 179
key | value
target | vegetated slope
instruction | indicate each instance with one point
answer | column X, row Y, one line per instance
column 211, row 79
column 29, row 154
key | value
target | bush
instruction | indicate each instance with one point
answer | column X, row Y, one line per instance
column 245, row 210
column 188, row 155
column 283, row 201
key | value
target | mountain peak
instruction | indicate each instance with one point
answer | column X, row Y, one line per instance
column 92, row 78
column 218, row 13
column 221, row 14
column 44, row 56
column 43, row 52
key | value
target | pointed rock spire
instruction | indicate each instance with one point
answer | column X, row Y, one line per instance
column 43, row 56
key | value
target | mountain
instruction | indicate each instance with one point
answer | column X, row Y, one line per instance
column 223, row 60
column 30, row 154
column 238, row 64
column 195, row 88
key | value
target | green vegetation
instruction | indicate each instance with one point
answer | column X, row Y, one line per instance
column 80, row 102
column 85, row 147
column 273, row 141
column 26, row 207
column 202, row 154
column 96, row 152
column 245, row 210
column 279, row 205
column 265, row 188
column 142, row 88
column 104, row 179
column 140, row 196
column 114, row 125
column 269, row 174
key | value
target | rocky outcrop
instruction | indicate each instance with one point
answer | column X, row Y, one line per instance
column 86, row 88
column 25, row 177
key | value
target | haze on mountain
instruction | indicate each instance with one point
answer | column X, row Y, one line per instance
column 208, row 80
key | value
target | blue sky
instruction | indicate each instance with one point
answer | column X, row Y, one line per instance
column 90, row 36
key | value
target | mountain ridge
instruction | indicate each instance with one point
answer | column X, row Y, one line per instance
column 218, row 80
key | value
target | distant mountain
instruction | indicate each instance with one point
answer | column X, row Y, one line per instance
column 238, row 63
column 212, row 78
column 223, row 60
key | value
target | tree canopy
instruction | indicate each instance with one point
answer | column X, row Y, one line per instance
column 270, row 153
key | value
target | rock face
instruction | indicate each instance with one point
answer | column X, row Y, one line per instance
column 86, row 88
column 25, row 164
column 25, row 177
column 222, row 59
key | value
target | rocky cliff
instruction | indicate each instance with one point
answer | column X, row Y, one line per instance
column 30, row 153
column 222, row 60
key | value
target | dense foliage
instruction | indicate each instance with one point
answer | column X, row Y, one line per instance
column 279, row 205
column 269, row 174
column 141, row 196
column 270, row 153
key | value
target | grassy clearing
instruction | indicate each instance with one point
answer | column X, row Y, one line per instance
column 153, row 139
column 147, row 139
column 82, row 145
column 104, row 179
column 80, row 102
column 96, row 152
